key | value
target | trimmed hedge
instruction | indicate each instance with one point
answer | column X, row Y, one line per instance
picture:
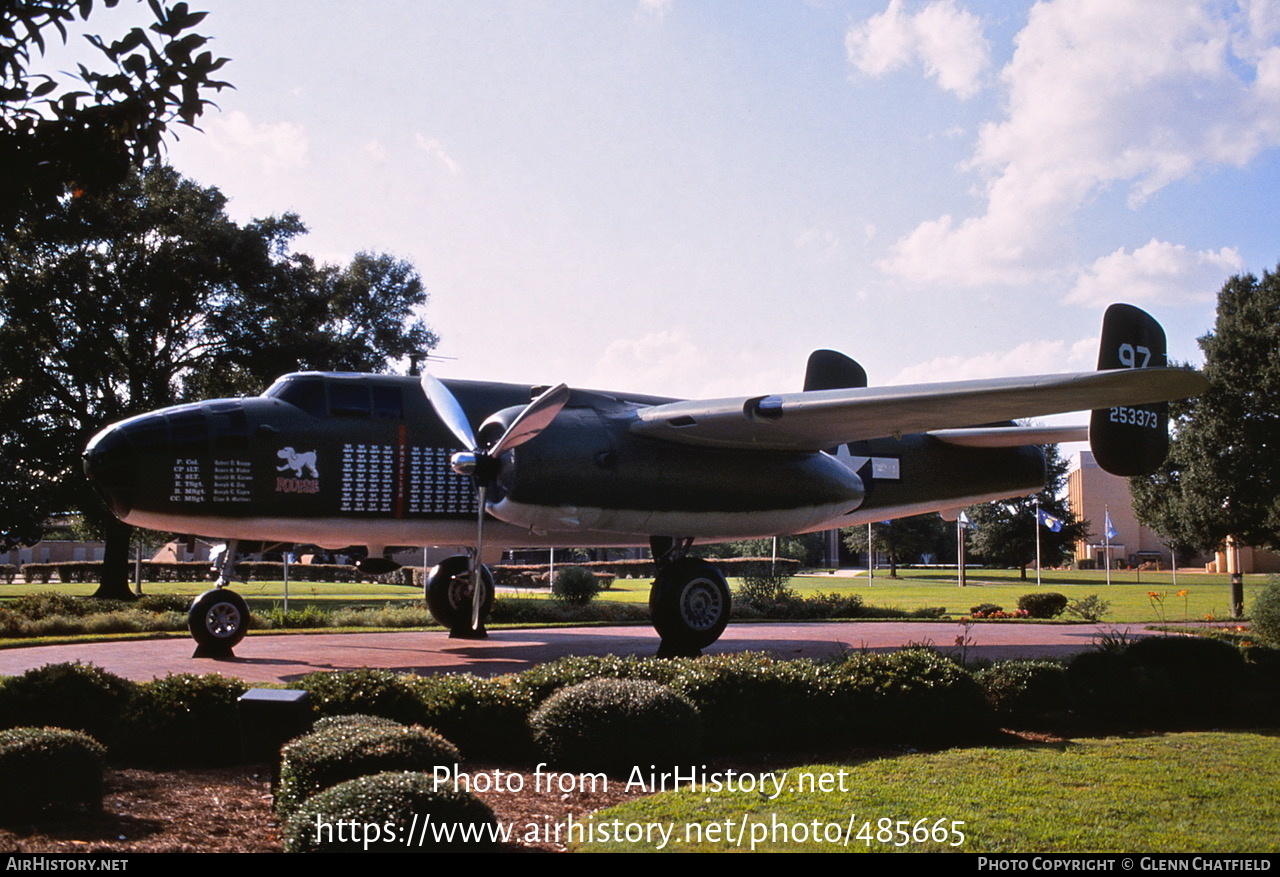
column 49, row 770
column 1048, row 604
column 1025, row 690
column 184, row 719
column 372, row 692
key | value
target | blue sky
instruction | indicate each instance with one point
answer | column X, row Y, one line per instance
column 687, row 197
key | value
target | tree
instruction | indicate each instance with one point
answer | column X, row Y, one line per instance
column 146, row 295
column 1004, row 533
column 53, row 140
column 1222, row 475
column 903, row 540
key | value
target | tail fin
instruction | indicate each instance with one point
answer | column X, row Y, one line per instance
column 1130, row 440
column 832, row 370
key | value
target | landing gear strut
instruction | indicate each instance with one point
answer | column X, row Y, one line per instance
column 689, row 602
column 448, row 594
column 219, row 618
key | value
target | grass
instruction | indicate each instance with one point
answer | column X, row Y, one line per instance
column 1207, row 594
column 1195, row 792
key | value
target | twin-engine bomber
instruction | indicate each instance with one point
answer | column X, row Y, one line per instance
column 339, row 460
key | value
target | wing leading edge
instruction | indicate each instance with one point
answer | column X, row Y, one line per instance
column 825, row 418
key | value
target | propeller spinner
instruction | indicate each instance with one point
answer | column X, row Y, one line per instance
column 483, row 463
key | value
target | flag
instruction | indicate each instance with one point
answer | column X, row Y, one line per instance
column 1110, row 530
column 1054, row 524
column 963, row 521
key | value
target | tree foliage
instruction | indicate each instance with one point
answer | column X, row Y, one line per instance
column 1222, row 475
column 145, row 295
column 53, row 139
column 1004, row 533
column 903, row 540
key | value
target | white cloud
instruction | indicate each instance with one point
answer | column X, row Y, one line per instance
column 1028, row 358
column 1156, row 272
column 1103, row 93
column 436, row 150
column 376, row 150
column 656, row 9
column 945, row 40
column 275, row 146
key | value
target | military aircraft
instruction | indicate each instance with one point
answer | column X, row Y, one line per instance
column 374, row 460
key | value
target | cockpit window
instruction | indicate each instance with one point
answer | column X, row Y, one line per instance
column 348, row 398
column 305, row 393
column 388, row 402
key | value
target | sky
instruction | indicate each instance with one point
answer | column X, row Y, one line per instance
column 686, row 198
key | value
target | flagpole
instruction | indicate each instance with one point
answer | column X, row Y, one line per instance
column 1037, row 526
column 1106, row 536
column 960, row 528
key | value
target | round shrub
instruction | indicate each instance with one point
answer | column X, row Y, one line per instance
column 540, row 682
column 374, row 811
column 49, row 769
column 611, row 724
column 77, row 696
column 1043, row 605
column 323, row 758
column 576, row 585
column 1025, row 689
column 354, row 720
column 184, row 719
column 371, row 692
column 1107, row 685
column 984, row 609
column 1264, row 614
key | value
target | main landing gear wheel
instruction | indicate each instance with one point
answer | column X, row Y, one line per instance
column 218, row 620
column 689, row 606
column 448, row 593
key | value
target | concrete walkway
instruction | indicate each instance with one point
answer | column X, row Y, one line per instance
column 283, row 657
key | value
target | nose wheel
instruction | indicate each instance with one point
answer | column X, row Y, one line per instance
column 218, row 620
column 448, row 593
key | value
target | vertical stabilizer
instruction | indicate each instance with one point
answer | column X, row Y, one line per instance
column 1133, row 439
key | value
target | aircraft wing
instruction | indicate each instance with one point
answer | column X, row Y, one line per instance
column 825, row 418
column 1011, row 436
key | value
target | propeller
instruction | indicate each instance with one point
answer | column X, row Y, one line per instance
column 483, row 463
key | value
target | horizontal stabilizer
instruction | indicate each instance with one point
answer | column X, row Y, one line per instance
column 823, row 419
column 1011, row 436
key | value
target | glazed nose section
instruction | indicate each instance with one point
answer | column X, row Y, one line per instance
column 109, row 463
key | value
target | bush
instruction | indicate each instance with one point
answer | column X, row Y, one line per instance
column 612, row 724
column 1105, row 684
column 324, row 758
column 1043, row 605
column 184, row 719
column 912, row 694
column 76, row 696
column 372, row 692
column 49, row 769
column 750, row 701
column 1198, row 677
column 486, row 718
column 354, row 720
column 1264, row 614
column 1025, row 689
column 374, row 809
column 984, row 609
column 540, row 682
column 764, row 585
column 1090, row 608
column 575, row 585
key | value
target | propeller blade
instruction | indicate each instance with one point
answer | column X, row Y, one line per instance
column 477, row 580
column 446, row 405
column 536, row 417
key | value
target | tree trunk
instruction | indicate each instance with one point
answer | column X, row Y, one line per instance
column 114, row 583
column 1024, row 572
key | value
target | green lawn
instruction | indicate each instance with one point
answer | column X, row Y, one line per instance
column 1128, row 593
column 1197, row 792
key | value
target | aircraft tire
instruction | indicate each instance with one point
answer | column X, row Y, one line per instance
column 689, row 604
column 218, row 618
column 448, row 591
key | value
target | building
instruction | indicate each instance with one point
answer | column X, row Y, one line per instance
column 1093, row 494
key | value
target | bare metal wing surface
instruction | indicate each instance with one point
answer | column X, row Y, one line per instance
column 823, row 419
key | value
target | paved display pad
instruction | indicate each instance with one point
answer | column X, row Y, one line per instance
column 285, row 657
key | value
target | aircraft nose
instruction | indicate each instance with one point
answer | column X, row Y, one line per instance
column 109, row 463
